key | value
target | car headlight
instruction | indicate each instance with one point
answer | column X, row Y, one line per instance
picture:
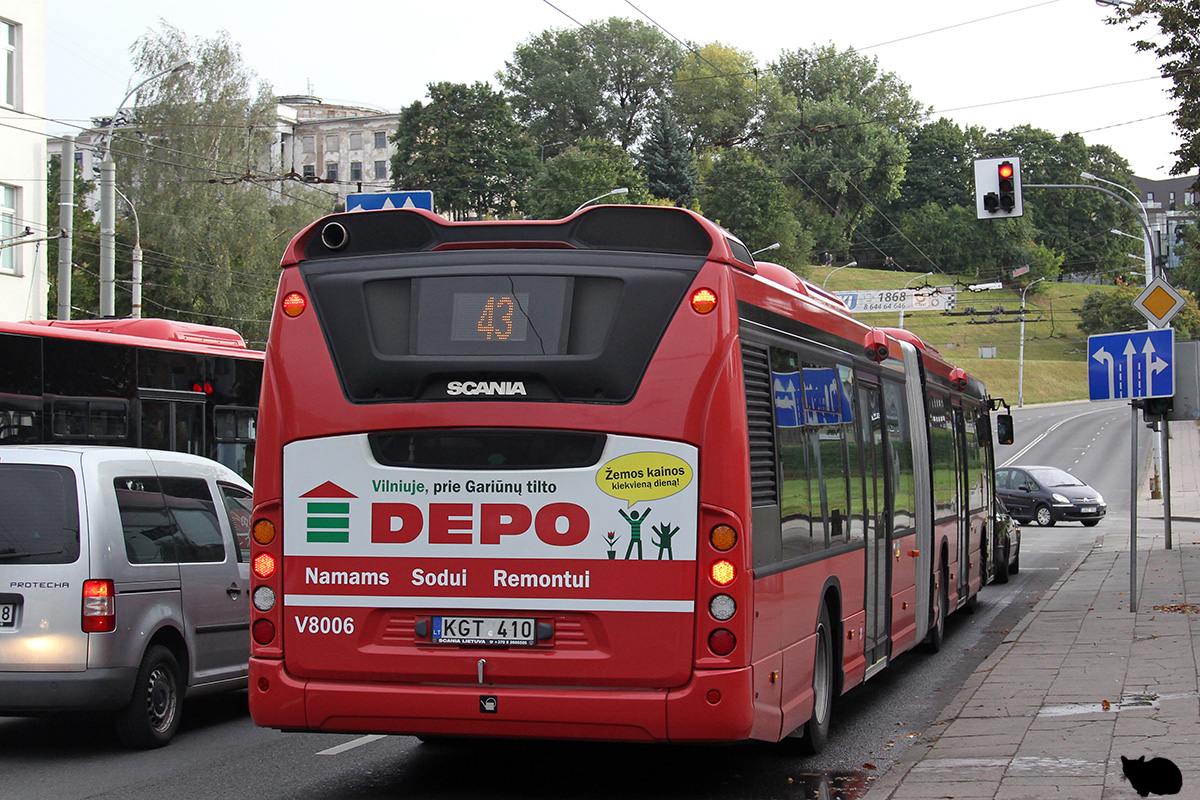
column 1058, row 498
column 1099, row 498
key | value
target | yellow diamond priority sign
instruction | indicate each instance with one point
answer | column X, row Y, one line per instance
column 1159, row 302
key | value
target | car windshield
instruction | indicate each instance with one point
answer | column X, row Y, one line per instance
column 1055, row 477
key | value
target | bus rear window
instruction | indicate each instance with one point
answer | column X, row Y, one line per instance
column 549, row 326
column 39, row 515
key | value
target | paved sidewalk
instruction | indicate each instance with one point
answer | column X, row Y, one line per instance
column 1082, row 681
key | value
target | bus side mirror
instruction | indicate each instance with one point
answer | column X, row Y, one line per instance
column 1004, row 428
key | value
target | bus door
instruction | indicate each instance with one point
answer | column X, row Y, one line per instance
column 962, row 577
column 171, row 420
column 878, row 525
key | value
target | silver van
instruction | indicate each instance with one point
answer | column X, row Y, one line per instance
column 123, row 583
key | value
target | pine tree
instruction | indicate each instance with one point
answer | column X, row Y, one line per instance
column 667, row 161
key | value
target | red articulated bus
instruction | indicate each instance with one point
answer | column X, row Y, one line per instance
column 603, row 477
column 153, row 383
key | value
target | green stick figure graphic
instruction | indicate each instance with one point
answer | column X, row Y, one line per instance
column 635, row 530
column 663, row 540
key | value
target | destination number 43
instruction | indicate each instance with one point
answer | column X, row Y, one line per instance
column 496, row 320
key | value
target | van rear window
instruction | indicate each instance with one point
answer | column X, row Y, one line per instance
column 39, row 515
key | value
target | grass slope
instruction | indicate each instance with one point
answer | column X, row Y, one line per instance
column 1055, row 351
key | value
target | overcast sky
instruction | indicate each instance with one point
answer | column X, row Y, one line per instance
column 1053, row 64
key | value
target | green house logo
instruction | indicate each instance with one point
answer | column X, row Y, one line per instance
column 327, row 513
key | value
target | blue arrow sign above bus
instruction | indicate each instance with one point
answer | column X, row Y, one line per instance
column 385, row 200
column 1131, row 365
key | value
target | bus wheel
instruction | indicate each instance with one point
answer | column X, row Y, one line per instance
column 1002, row 564
column 816, row 730
column 152, row 716
column 937, row 631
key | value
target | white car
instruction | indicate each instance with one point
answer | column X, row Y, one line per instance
column 123, row 583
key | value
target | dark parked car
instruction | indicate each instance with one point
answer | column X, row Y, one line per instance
column 1047, row 495
column 1006, row 545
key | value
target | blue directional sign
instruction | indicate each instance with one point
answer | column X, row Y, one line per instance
column 1131, row 365
column 380, row 200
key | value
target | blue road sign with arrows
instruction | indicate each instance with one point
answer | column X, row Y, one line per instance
column 385, row 200
column 1131, row 365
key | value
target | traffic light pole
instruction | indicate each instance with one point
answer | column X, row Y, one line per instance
column 1162, row 441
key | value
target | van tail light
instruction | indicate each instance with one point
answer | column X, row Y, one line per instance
column 99, row 606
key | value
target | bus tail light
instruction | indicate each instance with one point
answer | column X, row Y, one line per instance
column 723, row 538
column 722, row 607
column 723, row 572
column 264, row 598
column 99, row 606
column 293, row 304
column 264, row 631
column 704, row 301
column 722, row 642
column 263, row 532
column 264, row 565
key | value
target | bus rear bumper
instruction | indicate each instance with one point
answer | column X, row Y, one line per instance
column 715, row 706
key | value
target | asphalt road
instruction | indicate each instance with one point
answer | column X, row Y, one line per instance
column 220, row 753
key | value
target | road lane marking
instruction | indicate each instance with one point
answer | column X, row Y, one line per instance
column 1050, row 430
column 350, row 745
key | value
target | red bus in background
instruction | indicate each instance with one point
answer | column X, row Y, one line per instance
column 603, row 477
column 153, row 383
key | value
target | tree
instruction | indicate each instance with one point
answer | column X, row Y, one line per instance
column 193, row 167
column 1112, row 310
column 717, row 91
column 599, row 81
column 842, row 141
column 741, row 192
column 1075, row 222
column 1178, row 49
column 580, row 173
column 667, row 162
column 465, row 147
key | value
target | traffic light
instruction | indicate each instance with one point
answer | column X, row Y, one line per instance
column 1006, row 179
column 998, row 188
column 1157, row 408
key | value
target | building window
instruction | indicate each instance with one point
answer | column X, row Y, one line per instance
column 331, row 143
column 8, row 36
column 381, row 170
column 1150, row 197
column 331, row 171
column 356, row 171
column 356, row 141
column 309, row 144
column 309, row 171
column 1172, row 201
column 380, row 140
column 8, row 230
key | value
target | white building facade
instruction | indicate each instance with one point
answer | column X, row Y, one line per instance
column 23, row 233
column 338, row 148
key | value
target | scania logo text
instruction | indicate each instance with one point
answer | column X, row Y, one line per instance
column 454, row 388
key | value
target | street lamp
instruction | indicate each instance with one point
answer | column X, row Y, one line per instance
column 622, row 190
column 1147, row 244
column 835, row 269
column 765, row 249
column 108, row 201
column 136, row 306
column 926, row 275
column 1021, row 355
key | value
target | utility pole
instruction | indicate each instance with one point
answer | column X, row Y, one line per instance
column 66, row 221
column 108, row 201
